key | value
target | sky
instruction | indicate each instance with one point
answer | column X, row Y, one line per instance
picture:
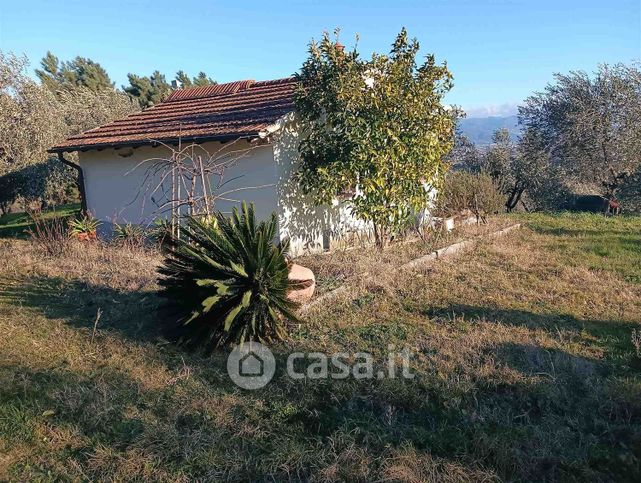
column 499, row 51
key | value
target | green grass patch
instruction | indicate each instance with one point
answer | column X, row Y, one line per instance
column 593, row 240
column 17, row 225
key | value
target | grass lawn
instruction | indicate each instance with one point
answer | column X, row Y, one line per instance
column 522, row 354
column 16, row 225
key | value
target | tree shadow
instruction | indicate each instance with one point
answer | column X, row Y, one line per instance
column 110, row 408
column 613, row 334
column 38, row 393
column 133, row 314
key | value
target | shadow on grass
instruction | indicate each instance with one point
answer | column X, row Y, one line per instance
column 613, row 335
column 133, row 314
column 522, row 431
column 40, row 394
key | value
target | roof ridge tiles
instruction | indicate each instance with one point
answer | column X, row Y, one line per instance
column 240, row 108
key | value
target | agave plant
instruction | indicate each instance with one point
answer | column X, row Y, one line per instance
column 84, row 228
column 160, row 232
column 128, row 234
column 228, row 281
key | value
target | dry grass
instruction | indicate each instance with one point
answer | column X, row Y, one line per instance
column 524, row 364
column 339, row 267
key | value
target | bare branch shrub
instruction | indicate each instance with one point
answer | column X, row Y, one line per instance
column 191, row 179
column 50, row 234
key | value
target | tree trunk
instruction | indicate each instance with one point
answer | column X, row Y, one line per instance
column 380, row 236
column 514, row 198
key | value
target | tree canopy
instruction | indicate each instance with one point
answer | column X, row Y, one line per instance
column 590, row 125
column 154, row 89
column 376, row 129
column 36, row 115
column 79, row 72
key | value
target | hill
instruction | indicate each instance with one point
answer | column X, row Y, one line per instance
column 480, row 129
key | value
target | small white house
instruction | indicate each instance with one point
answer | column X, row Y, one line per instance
column 252, row 118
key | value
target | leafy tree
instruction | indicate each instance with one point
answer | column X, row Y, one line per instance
column 202, row 79
column 463, row 190
column 515, row 169
column 375, row 128
column 148, row 91
column 9, row 184
column 151, row 90
column 227, row 282
column 529, row 170
column 499, row 158
column 465, row 154
column 590, row 125
column 79, row 72
column 33, row 117
column 183, row 79
column 29, row 120
column 82, row 109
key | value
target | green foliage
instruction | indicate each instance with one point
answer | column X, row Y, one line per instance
column 72, row 98
column 9, row 191
column 84, row 225
column 468, row 191
column 589, row 124
column 148, row 90
column 227, row 281
column 154, row 89
column 130, row 234
column 516, row 169
column 499, row 159
column 374, row 128
column 160, row 231
column 200, row 80
column 19, row 225
column 51, row 182
column 79, row 72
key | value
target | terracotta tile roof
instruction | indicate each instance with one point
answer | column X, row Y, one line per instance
column 218, row 112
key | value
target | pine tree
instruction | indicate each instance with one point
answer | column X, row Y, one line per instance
column 79, row 72
column 148, row 91
column 184, row 82
column 151, row 90
column 202, row 80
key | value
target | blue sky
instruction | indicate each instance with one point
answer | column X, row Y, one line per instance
column 499, row 51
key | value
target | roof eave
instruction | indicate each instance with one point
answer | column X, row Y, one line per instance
column 277, row 126
column 150, row 142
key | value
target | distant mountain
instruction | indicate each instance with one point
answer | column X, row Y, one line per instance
column 480, row 129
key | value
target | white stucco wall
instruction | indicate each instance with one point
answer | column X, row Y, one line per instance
column 309, row 228
column 121, row 189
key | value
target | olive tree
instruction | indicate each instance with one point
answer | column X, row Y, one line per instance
column 376, row 130
column 28, row 116
column 35, row 116
column 590, row 125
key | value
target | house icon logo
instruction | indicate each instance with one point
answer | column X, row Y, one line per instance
column 251, row 366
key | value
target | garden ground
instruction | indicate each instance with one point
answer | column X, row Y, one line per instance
column 522, row 352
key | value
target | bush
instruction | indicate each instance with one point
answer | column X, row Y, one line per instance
column 49, row 182
column 160, row 232
column 227, row 282
column 467, row 191
column 84, row 228
column 50, row 234
column 130, row 235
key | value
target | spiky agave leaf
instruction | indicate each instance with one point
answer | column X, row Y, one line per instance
column 227, row 281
